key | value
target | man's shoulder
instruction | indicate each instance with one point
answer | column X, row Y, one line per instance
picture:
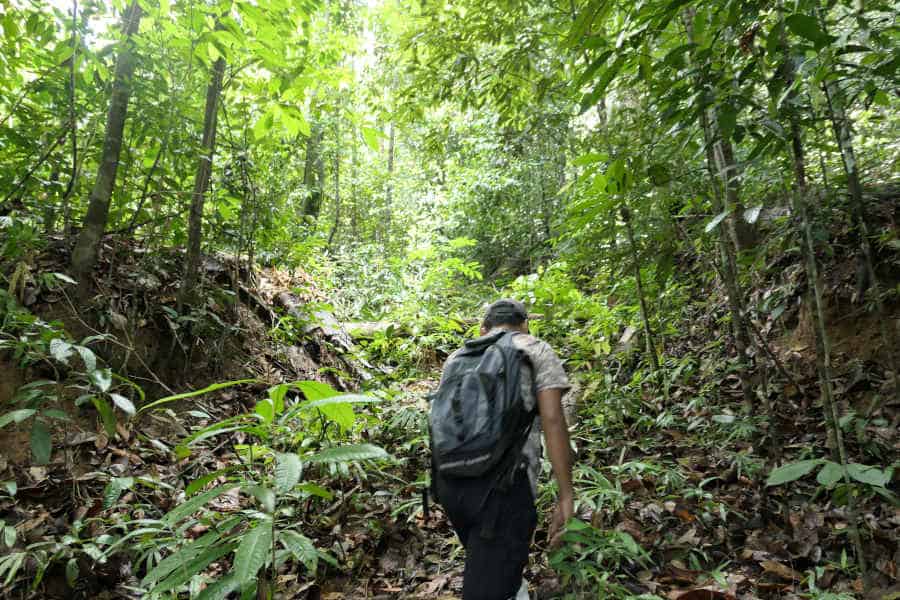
column 532, row 345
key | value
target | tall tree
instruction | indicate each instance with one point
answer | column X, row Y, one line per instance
column 84, row 256
column 201, row 179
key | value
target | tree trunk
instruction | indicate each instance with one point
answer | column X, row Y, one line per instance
column 314, row 174
column 726, row 245
column 84, row 256
column 645, row 318
column 742, row 233
column 354, row 190
column 842, row 133
column 64, row 201
column 50, row 205
column 823, row 347
column 201, row 181
column 337, row 185
column 389, row 188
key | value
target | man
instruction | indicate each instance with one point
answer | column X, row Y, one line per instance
column 495, row 560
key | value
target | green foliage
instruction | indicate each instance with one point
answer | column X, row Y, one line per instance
column 77, row 371
column 589, row 557
column 279, row 460
column 832, row 476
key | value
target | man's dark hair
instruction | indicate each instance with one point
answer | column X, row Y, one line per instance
column 504, row 312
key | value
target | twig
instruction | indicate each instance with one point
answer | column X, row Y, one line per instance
column 116, row 342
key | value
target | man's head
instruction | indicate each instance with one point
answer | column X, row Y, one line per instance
column 506, row 313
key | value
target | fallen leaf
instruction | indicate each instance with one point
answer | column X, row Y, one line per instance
column 781, row 570
column 705, row 593
column 435, row 585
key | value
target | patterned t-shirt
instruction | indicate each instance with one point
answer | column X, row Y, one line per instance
column 543, row 371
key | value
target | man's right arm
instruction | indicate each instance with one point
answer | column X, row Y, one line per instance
column 556, row 433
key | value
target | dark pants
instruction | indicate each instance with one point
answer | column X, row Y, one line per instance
column 496, row 533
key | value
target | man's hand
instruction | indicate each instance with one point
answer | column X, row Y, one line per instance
column 557, row 436
column 565, row 508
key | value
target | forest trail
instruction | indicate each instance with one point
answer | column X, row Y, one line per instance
column 699, row 199
column 662, row 499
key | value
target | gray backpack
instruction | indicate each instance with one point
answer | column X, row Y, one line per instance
column 478, row 421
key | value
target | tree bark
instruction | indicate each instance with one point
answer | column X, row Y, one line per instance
column 337, row 185
column 50, row 207
column 72, row 119
column 201, row 181
column 354, row 190
column 389, row 186
column 636, row 265
column 314, row 174
column 84, row 256
column 742, row 233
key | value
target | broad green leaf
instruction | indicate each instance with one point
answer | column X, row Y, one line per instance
column 715, row 221
column 830, row 474
column 792, row 471
column 294, row 121
column 751, row 215
column 277, row 394
column 868, row 475
column 206, row 390
column 266, row 410
column 340, row 413
column 64, row 277
column 41, row 443
column 593, row 67
column 341, row 399
column 263, row 126
column 106, row 415
column 314, row 490
column 114, row 490
column 72, row 572
column 198, row 484
column 341, row 454
column 221, row 589
column 123, row 403
column 808, row 27
column 589, row 100
column 16, row 416
column 727, row 120
column 287, row 471
column 188, row 552
column 589, row 159
column 370, row 136
column 186, row 569
column 88, row 357
column 251, row 555
column 10, row 565
column 186, row 509
column 61, row 350
column 11, row 487
column 263, row 495
column 102, row 378
column 9, row 536
column 301, row 547
column 55, row 413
